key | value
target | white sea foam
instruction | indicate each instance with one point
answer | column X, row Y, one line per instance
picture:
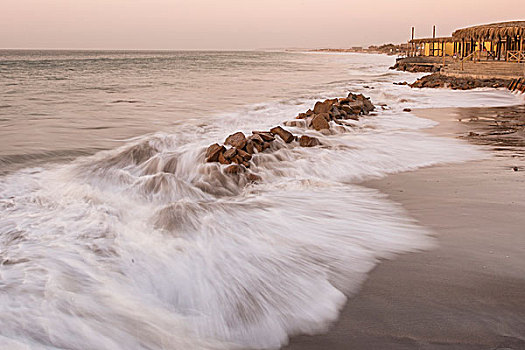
column 148, row 247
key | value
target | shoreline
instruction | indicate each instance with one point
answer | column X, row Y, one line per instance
column 467, row 293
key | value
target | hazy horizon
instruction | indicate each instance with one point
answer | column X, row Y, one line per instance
column 234, row 24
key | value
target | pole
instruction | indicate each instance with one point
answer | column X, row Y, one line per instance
column 411, row 45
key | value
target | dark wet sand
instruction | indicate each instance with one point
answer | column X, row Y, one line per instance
column 469, row 292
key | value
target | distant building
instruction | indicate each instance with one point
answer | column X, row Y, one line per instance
column 485, row 51
column 498, row 41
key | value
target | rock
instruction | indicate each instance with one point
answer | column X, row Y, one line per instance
column 244, row 155
column 437, row 80
column 266, row 145
column 323, row 107
column 233, row 169
column 283, row 134
column 213, row 151
column 340, row 129
column 368, row 106
column 238, row 159
column 237, row 140
column 325, row 116
column 230, row 154
column 352, row 116
column 249, row 147
column 407, row 110
column 259, row 147
column 301, row 116
column 295, row 123
column 223, row 160
column 354, row 107
column 309, row 112
column 253, row 177
column 264, row 135
column 319, row 122
column 473, row 134
column 515, row 168
column 335, row 112
column 307, row 141
column 255, row 139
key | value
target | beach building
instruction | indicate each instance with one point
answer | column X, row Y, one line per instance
column 485, row 51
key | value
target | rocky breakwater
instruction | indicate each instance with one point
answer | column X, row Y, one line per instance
column 415, row 67
column 437, row 80
column 327, row 117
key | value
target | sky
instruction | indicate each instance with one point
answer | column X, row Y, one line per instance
column 237, row 24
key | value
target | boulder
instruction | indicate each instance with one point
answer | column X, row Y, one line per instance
column 344, row 101
column 244, row 155
column 237, row 159
column 237, row 140
column 336, row 114
column 253, row 177
column 407, row 110
column 256, row 138
column 307, row 141
column 223, row 160
column 368, row 106
column 230, row 154
column 233, row 169
column 340, row 129
column 323, row 107
column 319, row 122
column 352, row 117
column 326, row 116
column 250, row 147
column 265, row 135
column 354, row 107
column 283, row 134
column 295, row 123
column 213, row 151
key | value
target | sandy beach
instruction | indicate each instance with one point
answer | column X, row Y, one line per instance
column 468, row 292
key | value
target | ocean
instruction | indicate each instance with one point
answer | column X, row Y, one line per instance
column 115, row 234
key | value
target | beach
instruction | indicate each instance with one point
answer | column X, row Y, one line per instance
column 467, row 293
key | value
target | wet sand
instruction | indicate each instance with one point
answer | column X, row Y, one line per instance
column 468, row 292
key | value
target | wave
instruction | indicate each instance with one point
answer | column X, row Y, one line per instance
column 149, row 247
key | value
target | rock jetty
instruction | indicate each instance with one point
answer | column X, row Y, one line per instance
column 238, row 149
column 415, row 67
column 437, row 80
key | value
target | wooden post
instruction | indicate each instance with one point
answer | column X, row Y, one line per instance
column 433, row 37
column 411, row 43
column 521, row 49
column 443, row 53
column 481, row 47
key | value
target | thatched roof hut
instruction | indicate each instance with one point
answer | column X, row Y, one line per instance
column 445, row 39
column 494, row 31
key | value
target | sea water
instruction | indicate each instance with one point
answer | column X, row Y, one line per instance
column 115, row 234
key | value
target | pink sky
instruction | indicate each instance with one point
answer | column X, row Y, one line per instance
column 236, row 24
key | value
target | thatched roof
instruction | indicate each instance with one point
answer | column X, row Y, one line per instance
column 432, row 40
column 491, row 31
